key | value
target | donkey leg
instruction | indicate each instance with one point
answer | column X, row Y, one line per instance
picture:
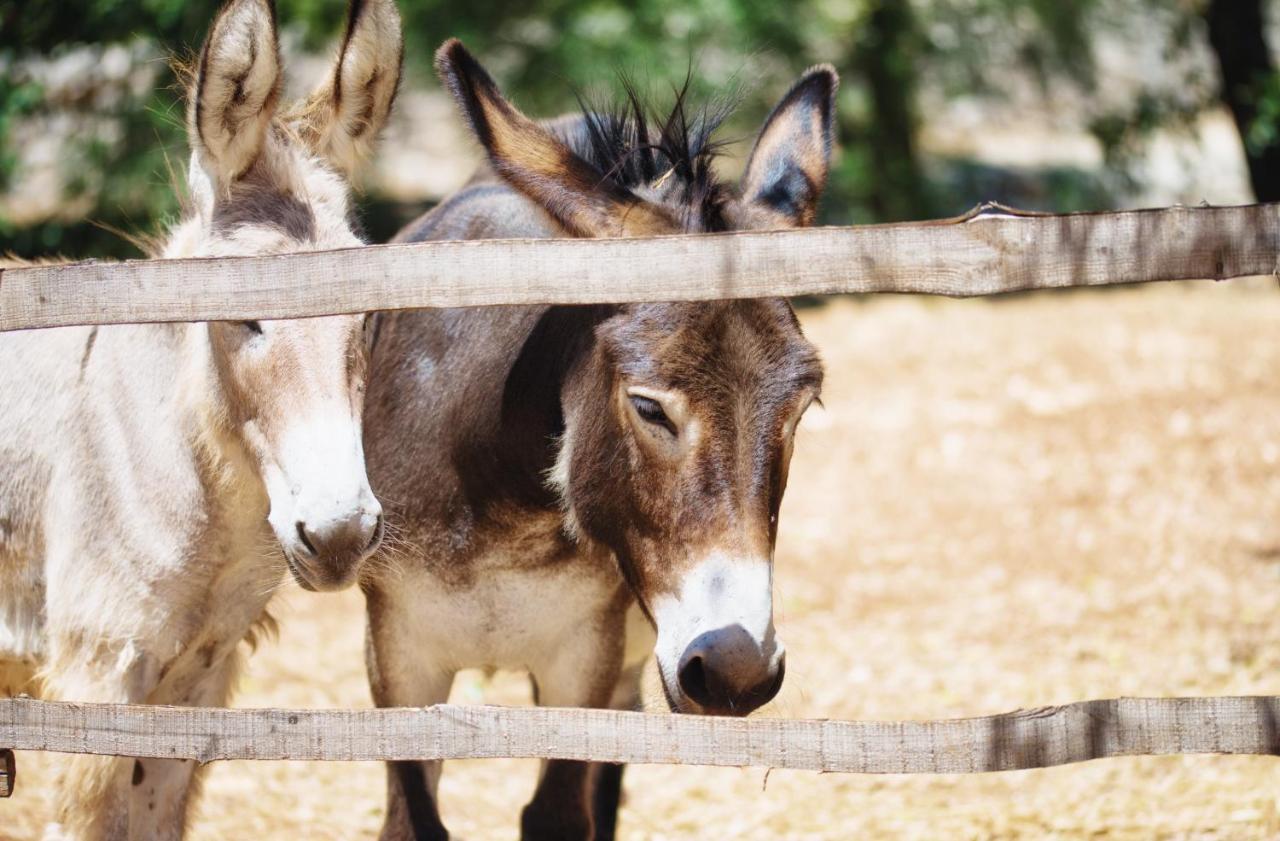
column 606, row 777
column 402, row 676
column 93, row 791
column 91, row 801
column 581, row 674
column 413, row 813
column 606, row 799
column 162, row 790
column 560, row 809
column 158, row 798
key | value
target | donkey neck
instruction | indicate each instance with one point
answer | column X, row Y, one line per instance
column 465, row 407
column 226, row 467
column 532, row 404
column 464, row 413
column 507, row 455
column 161, row 383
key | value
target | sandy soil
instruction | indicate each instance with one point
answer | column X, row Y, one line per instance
column 1004, row 504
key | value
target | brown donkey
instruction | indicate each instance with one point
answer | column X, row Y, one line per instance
column 566, row 479
column 157, row 480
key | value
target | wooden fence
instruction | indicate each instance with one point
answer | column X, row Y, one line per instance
column 1036, row 738
column 988, row 251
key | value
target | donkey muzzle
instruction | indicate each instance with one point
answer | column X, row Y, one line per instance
column 725, row 673
column 327, row 554
column 717, row 649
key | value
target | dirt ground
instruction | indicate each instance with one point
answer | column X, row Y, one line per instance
column 1004, row 504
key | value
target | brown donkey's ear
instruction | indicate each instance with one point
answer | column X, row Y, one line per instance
column 343, row 117
column 788, row 165
column 533, row 161
column 236, row 89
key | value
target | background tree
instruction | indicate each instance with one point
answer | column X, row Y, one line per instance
column 1250, row 87
column 547, row 52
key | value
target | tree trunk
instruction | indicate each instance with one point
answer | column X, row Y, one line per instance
column 886, row 56
column 1237, row 36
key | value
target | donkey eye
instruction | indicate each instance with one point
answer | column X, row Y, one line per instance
column 650, row 411
column 252, row 326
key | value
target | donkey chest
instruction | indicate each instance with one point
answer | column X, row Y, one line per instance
column 200, row 642
column 510, row 618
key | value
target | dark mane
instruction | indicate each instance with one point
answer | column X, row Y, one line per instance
column 631, row 145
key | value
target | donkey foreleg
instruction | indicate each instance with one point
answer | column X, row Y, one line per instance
column 92, row 800
column 413, row 813
column 402, row 675
column 161, row 790
column 582, row 673
column 93, row 791
column 606, row 799
column 560, row 809
column 606, row 779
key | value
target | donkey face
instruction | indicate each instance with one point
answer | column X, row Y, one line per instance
column 679, row 423
column 675, row 456
column 265, row 183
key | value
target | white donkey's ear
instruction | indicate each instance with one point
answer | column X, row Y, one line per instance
column 237, row 88
column 345, row 114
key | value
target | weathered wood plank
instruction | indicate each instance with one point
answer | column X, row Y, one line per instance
column 1036, row 738
column 988, row 251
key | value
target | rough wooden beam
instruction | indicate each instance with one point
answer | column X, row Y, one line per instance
column 1025, row 739
column 988, row 251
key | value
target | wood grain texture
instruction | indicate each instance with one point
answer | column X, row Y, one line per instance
column 1036, row 738
column 988, row 251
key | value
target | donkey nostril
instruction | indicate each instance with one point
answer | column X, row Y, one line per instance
column 376, row 537
column 768, row 690
column 705, row 681
column 693, row 680
column 306, row 541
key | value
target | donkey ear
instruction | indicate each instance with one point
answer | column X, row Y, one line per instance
column 788, row 165
column 538, row 164
column 346, row 113
column 237, row 87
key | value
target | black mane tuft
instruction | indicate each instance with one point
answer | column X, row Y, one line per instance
column 632, row 145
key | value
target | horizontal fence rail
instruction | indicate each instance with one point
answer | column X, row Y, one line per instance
column 1036, row 738
column 988, row 251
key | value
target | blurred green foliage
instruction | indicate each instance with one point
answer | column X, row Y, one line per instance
column 1265, row 131
column 545, row 52
column 17, row 100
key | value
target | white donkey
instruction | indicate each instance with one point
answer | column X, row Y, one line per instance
column 144, row 469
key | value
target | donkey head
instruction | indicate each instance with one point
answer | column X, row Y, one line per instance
column 679, row 419
column 267, row 182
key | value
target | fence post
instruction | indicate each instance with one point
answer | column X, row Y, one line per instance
column 8, row 772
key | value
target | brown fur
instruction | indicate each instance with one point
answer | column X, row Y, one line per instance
column 532, row 160
column 534, row 506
